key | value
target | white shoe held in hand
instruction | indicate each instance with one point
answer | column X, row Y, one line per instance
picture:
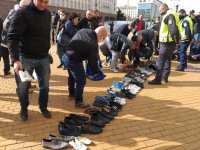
column 25, row 76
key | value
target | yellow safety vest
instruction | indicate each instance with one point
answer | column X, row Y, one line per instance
column 182, row 29
column 164, row 35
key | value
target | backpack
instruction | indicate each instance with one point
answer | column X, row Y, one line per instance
column 6, row 25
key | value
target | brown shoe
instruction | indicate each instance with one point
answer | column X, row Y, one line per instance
column 30, row 91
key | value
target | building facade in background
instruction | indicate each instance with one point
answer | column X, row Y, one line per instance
column 130, row 12
column 104, row 6
column 150, row 8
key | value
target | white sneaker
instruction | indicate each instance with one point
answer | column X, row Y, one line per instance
column 114, row 70
column 25, row 76
column 84, row 140
column 133, row 86
column 77, row 145
column 120, row 100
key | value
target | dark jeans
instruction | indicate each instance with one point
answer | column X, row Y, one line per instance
column 6, row 59
column 163, row 62
column 183, row 55
column 76, row 76
column 60, row 52
column 42, row 69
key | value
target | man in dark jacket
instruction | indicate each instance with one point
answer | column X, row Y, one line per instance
column 118, row 44
column 144, row 39
column 125, row 29
column 88, row 21
column 29, row 44
column 83, row 46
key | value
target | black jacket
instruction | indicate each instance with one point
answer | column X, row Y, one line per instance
column 119, row 43
column 84, row 46
column 89, row 24
column 1, row 27
column 147, row 37
column 29, row 33
column 123, row 29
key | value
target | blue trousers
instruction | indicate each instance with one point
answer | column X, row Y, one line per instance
column 60, row 52
column 76, row 79
column 42, row 69
column 163, row 62
column 183, row 55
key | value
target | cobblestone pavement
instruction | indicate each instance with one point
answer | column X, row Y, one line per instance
column 161, row 117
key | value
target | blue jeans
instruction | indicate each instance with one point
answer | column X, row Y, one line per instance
column 42, row 69
column 183, row 55
column 76, row 76
column 59, row 52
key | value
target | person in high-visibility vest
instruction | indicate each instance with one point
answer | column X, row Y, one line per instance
column 168, row 38
column 186, row 32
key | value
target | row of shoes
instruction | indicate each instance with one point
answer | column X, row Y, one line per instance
column 61, row 142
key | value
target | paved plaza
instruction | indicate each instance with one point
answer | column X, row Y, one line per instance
column 161, row 117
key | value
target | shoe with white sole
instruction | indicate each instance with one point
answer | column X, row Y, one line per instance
column 120, row 100
column 84, row 140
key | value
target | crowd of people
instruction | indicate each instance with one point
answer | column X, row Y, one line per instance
column 26, row 37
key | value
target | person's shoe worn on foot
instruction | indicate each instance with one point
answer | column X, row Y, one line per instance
column 7, row 73
column 81, row 105
column 59, row 66
column 164, row 80
column 46, row 113
column 54, row 144
column 154, row 82
column 179, row 69
column 23, row 115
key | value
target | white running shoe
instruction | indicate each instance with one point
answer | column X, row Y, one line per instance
column 120, row 100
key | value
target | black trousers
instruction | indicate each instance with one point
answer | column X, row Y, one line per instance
column 6, row 60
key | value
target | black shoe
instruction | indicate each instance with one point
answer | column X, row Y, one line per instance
column 68, row 130
column 59, row 66
column 84, row 118
column 46, row 113
column 179, row 69
column 91, row 129
column 71, row 96
column 7, row 73
column 165, row 81
column 73, row 121
column 23, row 115
column 98, row 117
column 154, row 82
column 82, row 105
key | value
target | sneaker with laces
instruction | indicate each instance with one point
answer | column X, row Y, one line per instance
column 120, row 100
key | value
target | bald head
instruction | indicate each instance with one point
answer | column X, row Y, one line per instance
column 163, row 8
column 101, row 33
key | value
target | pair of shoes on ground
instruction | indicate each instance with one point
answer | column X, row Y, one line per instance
column 61, row 142
column 24, row 114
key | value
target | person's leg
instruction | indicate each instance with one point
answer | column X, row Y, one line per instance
column 183, row 56
column 6, row 60
column 42, row 70
column 71, row 84
column 114, row 59
column 23, row 87
column 160, row 64
column 60, row 54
